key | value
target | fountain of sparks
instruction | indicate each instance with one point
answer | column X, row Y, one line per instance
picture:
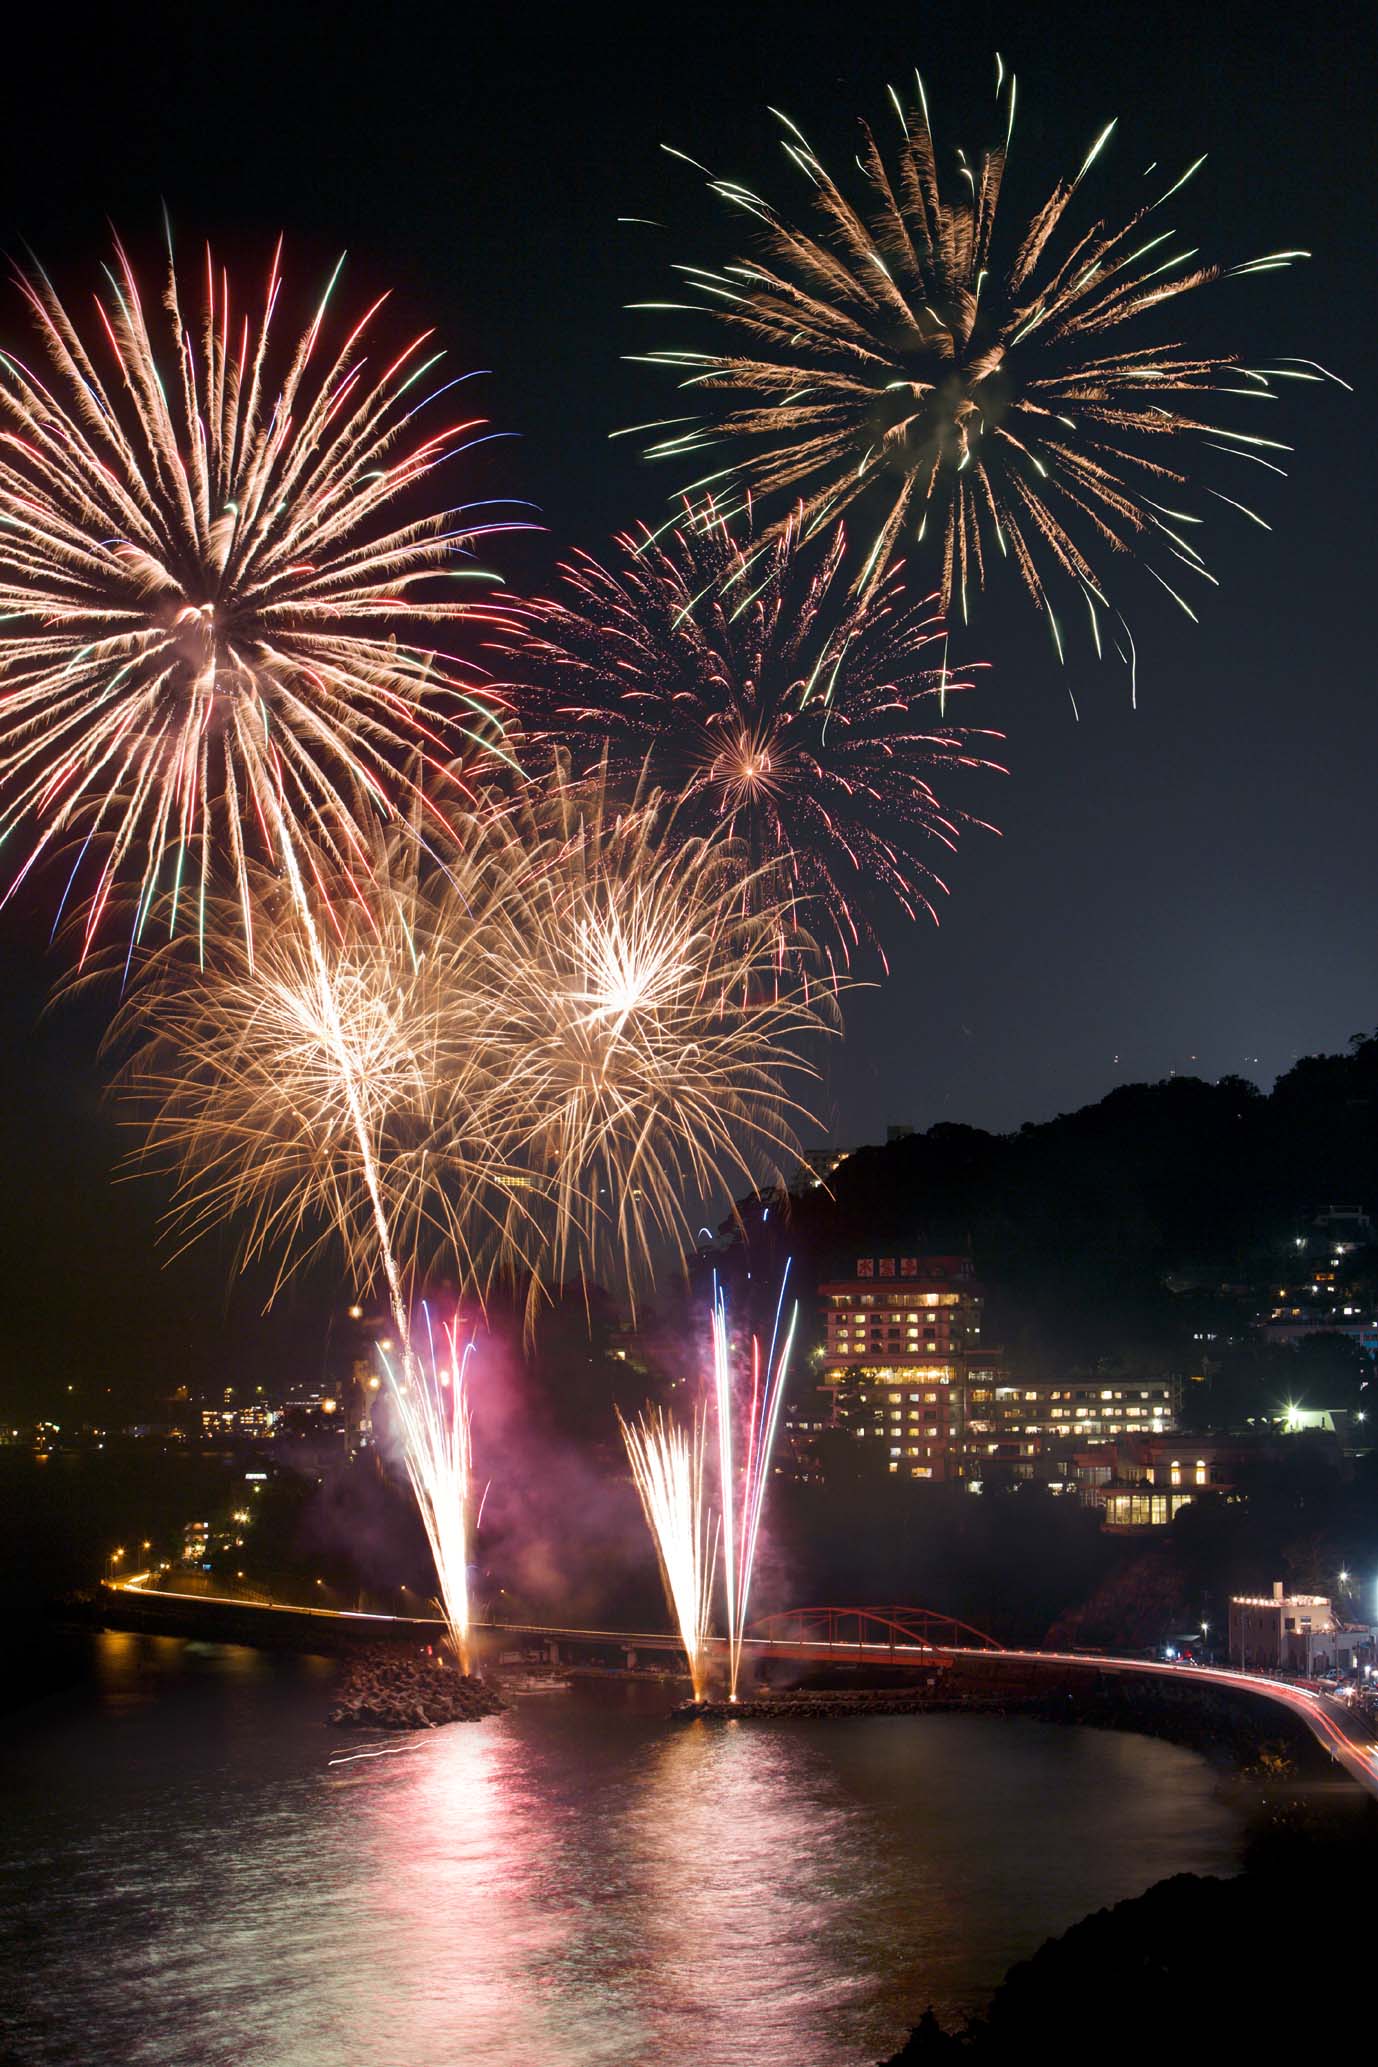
column 431, row 1395
column 747, row 1423
column 667, row 1467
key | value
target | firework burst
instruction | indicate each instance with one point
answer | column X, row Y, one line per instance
column 210, row 593
column 806, row 724
column 324, row 1090
column 983, row 395
column 649, row 1033
column 667, row 1469
column 543, row 1053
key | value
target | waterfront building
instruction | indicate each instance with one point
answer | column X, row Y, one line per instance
column 1295, row 1632
column 907, row 1366
column 902, row 1350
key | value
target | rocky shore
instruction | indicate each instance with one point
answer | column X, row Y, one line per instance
column 1236, row 1730
column 391, row 1689
column 833, row 1702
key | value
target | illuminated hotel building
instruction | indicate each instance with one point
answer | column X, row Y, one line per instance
column 909, row 1372
column 902, row 1345
column 1019, row 1423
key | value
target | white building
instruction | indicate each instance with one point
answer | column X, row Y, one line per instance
column 1294, row 1632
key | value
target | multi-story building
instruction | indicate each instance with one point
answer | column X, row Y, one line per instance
column 1021, row 1423
column 902, row 1346
column 256, row 1420
column 908, row 1368
column 806, row 1415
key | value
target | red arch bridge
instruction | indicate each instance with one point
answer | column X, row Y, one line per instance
column 921, row 1638
column 914, row 1637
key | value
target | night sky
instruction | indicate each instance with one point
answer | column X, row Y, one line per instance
column 1187, row 885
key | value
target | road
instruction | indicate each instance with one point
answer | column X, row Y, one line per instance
column 1329, row 1721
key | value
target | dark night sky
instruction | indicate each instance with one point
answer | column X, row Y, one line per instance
column 1191, row 879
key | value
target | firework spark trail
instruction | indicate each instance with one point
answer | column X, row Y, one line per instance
column 432, row 1401
column 345, row 1059
column 742, row 1486
column 803, row 723
column 983, row 396
column 320, row 1022
column 667, row 1468
column 202, row 583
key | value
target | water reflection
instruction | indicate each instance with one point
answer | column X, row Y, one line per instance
column 754, row 1873
column 454, row 1878
column 574, row 1884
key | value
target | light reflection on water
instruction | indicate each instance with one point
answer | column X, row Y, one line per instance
column 186, row 1877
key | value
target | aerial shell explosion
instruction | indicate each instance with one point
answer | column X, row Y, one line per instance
column 974, row 394
column 807, row 724
column 210, row 602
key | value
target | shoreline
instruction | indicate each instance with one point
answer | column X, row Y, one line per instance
column 1237, row 1731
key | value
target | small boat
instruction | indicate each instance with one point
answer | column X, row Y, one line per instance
column 533, row 1683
